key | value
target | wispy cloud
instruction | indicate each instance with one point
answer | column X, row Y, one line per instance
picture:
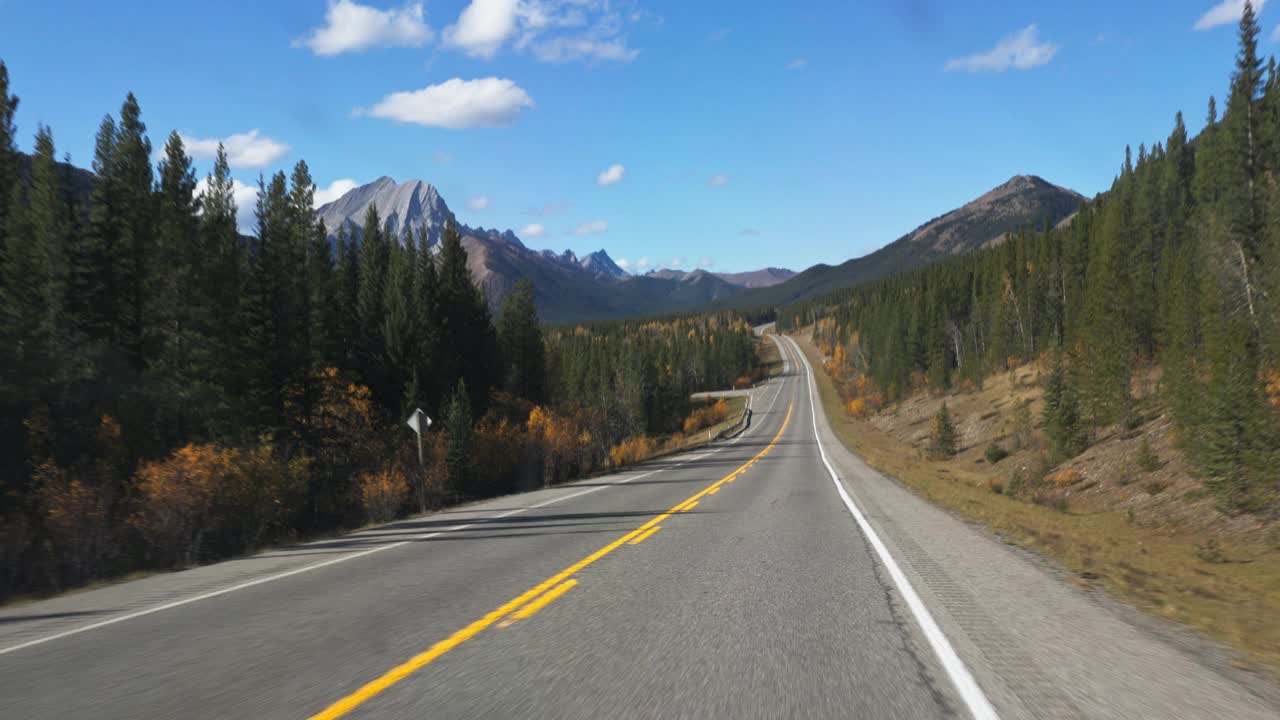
column 336, row 189
column 718, row 180
column 533, row 230
column 622, row 263
column 478, row 203
column 1022, row 50
column 553, row 30
column 676, row 262
column 595, row 227
column 798, row 64
column 552, row 207
column 1226, row 12
column 612, row 175
column 456, row 103
column 352, row 27
column 244, row 150
column 642, row 263
column 706, row 262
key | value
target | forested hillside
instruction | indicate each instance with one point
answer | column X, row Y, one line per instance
column 1178, row 265
column 172, row 392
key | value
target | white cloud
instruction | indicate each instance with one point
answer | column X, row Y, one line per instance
column 553, row 30
column 351, row 27
column 612, row 175
column 798, row 64
column 1022, row 50
column 595, row 227
column 706, row 262
column 642, row 263
column 718, row 180
column 456, row 103
column 336, row 189
column 1275, row 34
column 1226, row 12
column 622, row 263
column 533, row 230
column 244, row 150
column 478, row 202
column 567, row 49
column 483, row 27
column 677, row 262
column 246, row 197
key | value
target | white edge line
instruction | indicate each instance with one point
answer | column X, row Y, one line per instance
column 974, row 699
column 344, row 558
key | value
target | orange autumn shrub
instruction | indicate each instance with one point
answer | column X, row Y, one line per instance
column 858, row 408
column 633, row 450
column 1064, row 478
column 76, row 516
column 212, row 501
column 176, row 497
column 383, row 493
column 707, row 416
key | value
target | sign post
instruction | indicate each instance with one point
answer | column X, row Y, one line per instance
column 419, row 422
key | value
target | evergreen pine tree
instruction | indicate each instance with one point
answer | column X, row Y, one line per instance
column 521, row 346
column 460, row 452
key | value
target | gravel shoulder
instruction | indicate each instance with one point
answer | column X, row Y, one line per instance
column 1040, row 646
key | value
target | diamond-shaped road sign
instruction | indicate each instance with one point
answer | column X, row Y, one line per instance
column 419, row 421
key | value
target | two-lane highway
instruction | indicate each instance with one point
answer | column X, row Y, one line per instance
column 729, row 582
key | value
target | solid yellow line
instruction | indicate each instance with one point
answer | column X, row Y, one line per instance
column 690, row 506
column 421, row 660
column 527, row 611
column 714, row 490
column 645, row 535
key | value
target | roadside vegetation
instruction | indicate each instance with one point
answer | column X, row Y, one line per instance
column 173, row 392
column 1107, row 391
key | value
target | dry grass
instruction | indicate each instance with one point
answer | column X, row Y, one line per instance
column 1171, row 553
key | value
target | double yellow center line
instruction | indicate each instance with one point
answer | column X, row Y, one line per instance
column 530, row 601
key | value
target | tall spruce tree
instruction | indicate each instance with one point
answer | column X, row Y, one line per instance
column 465, row 328
column 521, row 346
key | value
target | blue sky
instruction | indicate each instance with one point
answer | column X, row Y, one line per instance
column 736, row 134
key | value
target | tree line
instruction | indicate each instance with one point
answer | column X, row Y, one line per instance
column 1177, row 265
column 172, row 391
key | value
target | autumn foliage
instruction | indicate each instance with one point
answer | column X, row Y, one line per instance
column 710, row 414
column 633, row 450
column 383, row 493
column 212, row 501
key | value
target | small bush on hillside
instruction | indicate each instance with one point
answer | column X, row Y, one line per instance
column 942, row 438
column 995, row 453
column 1017, row 481
column 1146, row 457
column 1022, row 425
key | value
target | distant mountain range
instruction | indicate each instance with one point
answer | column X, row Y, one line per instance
column 566, row 288
column 1025, row 201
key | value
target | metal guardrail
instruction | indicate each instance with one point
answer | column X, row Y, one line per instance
column 743, row 422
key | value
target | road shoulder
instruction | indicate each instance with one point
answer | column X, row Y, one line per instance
column 1038, row 646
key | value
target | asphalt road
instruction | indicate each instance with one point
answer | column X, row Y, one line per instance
column 735, row 581
column 763, row 600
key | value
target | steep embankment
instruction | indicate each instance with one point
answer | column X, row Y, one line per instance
column 1142, row 529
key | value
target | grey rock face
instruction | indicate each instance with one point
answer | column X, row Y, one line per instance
column 413, row 204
